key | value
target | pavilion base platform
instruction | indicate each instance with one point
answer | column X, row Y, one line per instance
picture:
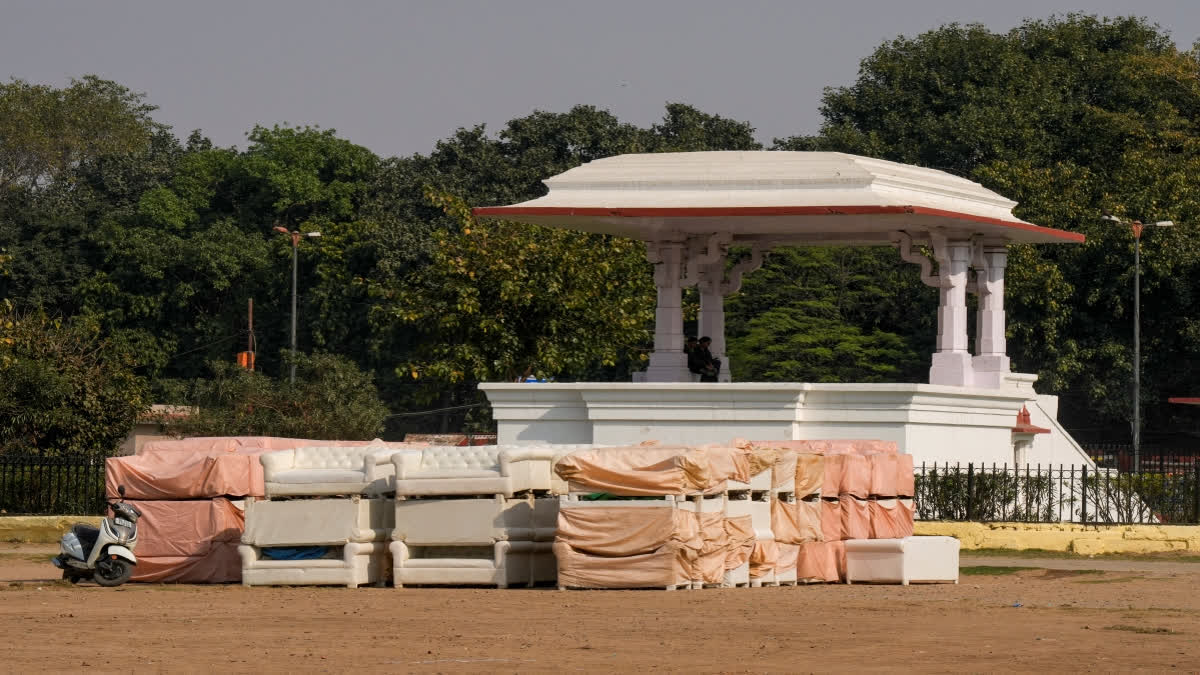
column 934, row 423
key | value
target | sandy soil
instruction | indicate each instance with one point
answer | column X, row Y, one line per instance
column 1065, row 620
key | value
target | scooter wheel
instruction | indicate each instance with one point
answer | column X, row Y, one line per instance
column 113, row 571
column 73, row 578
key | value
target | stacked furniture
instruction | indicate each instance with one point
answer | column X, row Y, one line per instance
column 652, row 517
column 191, row 493
column 474, row 515
column 324, row 519
column 855, row 489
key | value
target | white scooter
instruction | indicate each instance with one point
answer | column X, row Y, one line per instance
column 105, row 553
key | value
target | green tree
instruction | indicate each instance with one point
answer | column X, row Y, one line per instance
column 63, row 388
column 332, row 399
column 501, row 301
column 46, row 132
column 1071, row 116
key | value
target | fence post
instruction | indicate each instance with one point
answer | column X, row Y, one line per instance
column 1195, row 491
column 970, row 491
column 1083, row 497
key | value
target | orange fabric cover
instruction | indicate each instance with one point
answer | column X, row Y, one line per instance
column 667, row 566
column 835, row 446
column 856, row 517
column 221, row 565
column 796, row 522
column 658, row 470
column 905, row 483
column 810, row 474
column 787, row 556
column 709, row 566
column 186, row 528
column 831, row 520
column 784, row 469
column 884, row 471
column 856, row 477
column 763, row 558
column 625, row 531
column 835, row 468
column 890, row 519
column 822, row 561
column 739, row 533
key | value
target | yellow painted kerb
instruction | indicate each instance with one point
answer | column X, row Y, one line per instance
column 1070, row 537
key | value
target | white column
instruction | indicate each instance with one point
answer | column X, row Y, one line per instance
column 952, row 361
column 711, row 321
column 668, row 363
column 991, row 362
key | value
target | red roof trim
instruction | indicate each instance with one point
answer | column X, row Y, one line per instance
column 1184, row 400
column 734, row 211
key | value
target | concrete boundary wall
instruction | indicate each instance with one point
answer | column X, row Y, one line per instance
column 40, row 529
column 1068, row 537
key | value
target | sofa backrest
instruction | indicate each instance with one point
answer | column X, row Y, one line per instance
column 328, row 457
column 461, row 458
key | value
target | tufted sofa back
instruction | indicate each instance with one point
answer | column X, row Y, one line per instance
column 318, row 457
column 461, row 458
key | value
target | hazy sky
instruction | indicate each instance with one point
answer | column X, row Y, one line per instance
column 397, row 76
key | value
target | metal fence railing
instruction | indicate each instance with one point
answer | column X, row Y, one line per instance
column 1049, row 494
column 32, row 485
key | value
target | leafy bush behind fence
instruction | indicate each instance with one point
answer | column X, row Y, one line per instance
column 1044, row 494
column 69, row 485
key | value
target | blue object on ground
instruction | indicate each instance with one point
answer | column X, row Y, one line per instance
column 294, row 553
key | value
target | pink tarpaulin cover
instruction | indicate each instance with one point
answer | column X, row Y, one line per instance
column 198, row 468
column 856, row 517
column 832, row 446
column 891, row 518
column 822, row 561
column 654, row 470
column 831, row 520
column 189, row 541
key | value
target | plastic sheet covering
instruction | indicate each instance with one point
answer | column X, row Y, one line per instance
column 810, row 474
column 834, row 446
column 831, row 520
column 822, row 561
column 762, row 459
column 220, row 565
column 188, row 542
column 856, row 517
column 657, row 470
column 626, row 531
column 787, row 556
column 796, row 522
column 890, row 519
column 856, row 476
column 831, row 482
column 668, row 566
column 739, row 533
column 884, row 470
column 763, row 558
column 186, row 528
column 785, row 469
column 905, row 483
column 709, row 566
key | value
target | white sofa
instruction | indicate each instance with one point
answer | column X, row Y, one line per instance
column 328, row 470
column 900, row 561
column 473, row 470
column 354, row 530
column 498, row 541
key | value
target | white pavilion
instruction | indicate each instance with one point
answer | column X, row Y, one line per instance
column 690, row 208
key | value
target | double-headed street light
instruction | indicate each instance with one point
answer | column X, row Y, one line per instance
column 1136, row 227
column 295, row 235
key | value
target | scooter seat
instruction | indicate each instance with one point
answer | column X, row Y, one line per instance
column 87, row 535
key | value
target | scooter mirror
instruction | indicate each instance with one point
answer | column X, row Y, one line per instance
column 121, row 491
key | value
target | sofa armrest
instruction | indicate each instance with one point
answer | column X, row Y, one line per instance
column 533, row 453
column 276, row 462
column 406, row 462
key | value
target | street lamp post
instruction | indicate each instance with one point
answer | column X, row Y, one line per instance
column 295, row 235
column 1136, row 227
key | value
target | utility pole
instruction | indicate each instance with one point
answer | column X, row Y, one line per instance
column 1136, row 226
column 295, row 236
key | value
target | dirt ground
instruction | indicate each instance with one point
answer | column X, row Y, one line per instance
column 1023, row 620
